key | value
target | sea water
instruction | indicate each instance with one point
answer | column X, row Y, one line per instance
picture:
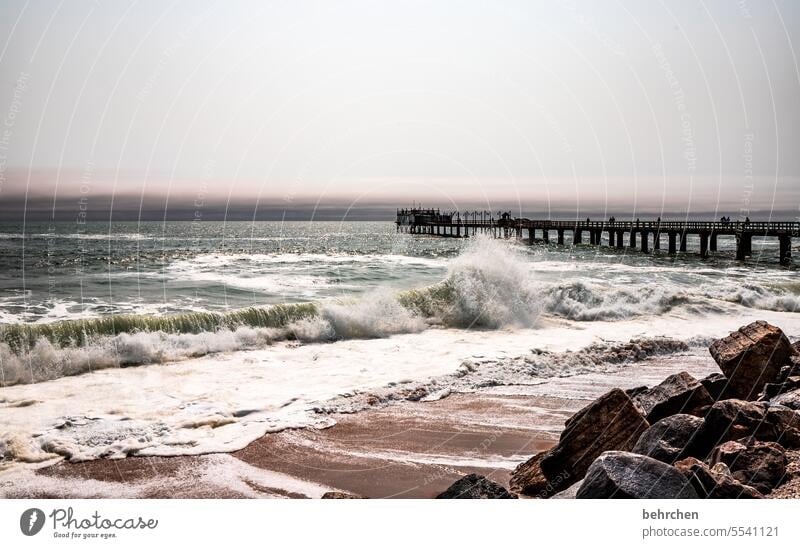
column 184, row 338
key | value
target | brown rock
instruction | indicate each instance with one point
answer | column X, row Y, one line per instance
column 773, row 389
column 751, row 357
column 788, row 399
column 730, row 420
column 782, row 425
column 528, row 478
column 734, row 419
column 759, row 464
column 669, row 439
column 716, row 385
column 716, row 482
column 679, row 393
column 610, row 423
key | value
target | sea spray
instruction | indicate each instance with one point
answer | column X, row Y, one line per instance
column 488, row 285
column 584, row 301
column 376, row 315
column 45, row 360
column 491, row 284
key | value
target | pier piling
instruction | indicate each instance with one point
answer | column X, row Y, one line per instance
column 465, row 224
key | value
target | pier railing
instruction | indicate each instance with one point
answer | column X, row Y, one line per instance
column 462, row 224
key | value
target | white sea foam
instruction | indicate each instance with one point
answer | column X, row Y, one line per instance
column 221, row 403
column 46, row 361
column 491, row 284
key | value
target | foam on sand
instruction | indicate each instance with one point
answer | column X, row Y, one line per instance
column 221, row 403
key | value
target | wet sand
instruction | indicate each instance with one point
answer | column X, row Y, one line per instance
column 405, row 450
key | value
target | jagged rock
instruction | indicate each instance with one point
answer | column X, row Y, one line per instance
column 751, row 357
column 340, row 495
column 570, row 492
column 759, row 464
column 715, row 384
column 796, row 346
column 730, row 420
column 528, row 478
column 679, row 393
column 622, row 475
column 611, row 422
column 715, row 483
column 791, row 369
column 782, row 425
column 788, row 399
column 474, row 486
column 773, row 389
column 669, row 439
column 734, row 419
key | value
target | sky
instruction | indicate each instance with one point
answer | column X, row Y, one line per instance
column 243, row 109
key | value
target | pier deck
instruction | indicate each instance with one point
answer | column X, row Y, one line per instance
column 641, row 234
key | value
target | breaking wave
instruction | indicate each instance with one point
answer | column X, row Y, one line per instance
column 489, row 285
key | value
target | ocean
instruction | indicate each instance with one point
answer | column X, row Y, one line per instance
column 181, row 338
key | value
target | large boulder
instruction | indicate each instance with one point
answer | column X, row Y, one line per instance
column 752, row 357
column 730, row 420
column 679, row 393
column 782, row 425
column 622, row 475
column 610, row 423
column 474, row 486
column 716, row 482
column 734, row 419
column 759, row 464
column 670, row 439
column 788, row 399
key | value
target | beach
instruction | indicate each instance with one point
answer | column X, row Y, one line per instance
column 406, row 449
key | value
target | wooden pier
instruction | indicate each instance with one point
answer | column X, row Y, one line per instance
column 641, row 234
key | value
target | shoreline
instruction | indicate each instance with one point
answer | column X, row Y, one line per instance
column 402, row 450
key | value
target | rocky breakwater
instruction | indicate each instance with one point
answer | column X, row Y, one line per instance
column 730, row 435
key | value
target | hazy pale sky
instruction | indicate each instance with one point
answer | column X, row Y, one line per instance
column 653, row 105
